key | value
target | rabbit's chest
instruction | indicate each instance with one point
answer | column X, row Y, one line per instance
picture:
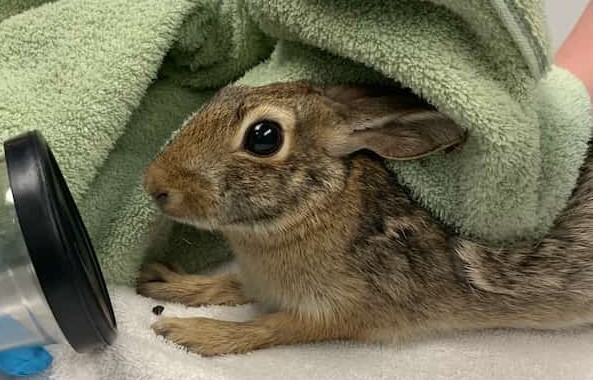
column 296, row 279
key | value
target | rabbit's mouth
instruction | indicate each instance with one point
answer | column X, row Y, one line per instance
column 201, row 224
column 179, row 208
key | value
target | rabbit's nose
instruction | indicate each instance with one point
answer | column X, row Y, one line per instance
column 154, row 187
column 161, row 196
column 158, row 193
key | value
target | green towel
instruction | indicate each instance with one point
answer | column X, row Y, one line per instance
column 107, row 81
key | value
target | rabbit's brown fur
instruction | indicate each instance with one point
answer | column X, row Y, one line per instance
column 328, row 240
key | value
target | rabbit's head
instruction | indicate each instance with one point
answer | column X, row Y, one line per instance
column 259, row 157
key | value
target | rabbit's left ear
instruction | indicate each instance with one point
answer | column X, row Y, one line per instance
column 393, row 123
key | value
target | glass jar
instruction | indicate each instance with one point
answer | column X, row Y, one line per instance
column 51, row 286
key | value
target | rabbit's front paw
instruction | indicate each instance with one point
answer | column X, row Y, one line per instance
column 161, row 283
column 204, row 336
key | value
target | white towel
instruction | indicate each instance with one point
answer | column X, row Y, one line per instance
column 140, row 355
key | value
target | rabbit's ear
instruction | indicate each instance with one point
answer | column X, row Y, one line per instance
column 391, row 122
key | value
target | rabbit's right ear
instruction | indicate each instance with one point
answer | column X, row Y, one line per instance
column 392, row 122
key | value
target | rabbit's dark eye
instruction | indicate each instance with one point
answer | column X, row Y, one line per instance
column 263, row 138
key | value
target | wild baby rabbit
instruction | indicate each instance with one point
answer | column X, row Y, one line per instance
column 325, row 237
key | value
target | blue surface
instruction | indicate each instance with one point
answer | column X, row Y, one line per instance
column 23, row 362
column 20, row 361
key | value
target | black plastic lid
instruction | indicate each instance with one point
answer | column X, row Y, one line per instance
column 58, row 244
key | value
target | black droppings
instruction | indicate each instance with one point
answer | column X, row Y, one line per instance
column 158, row 309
